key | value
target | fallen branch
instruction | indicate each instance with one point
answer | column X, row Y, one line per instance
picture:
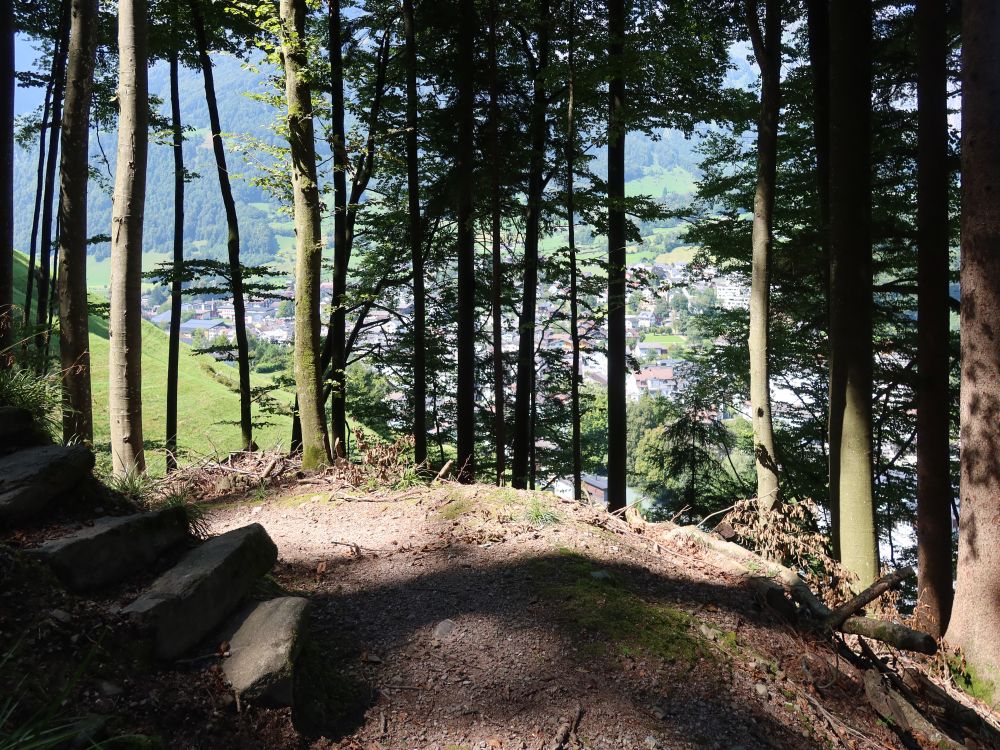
column 566, row 730
column 445, row 470
column 870, row 594
column 902, row 716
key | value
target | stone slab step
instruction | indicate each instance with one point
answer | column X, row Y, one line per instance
column 113, row 548
column 265, row 640
column 193, row 598
column 30, row 479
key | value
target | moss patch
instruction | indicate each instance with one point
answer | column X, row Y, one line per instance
column 972, row 683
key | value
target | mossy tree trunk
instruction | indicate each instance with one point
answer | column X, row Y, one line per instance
column 851, row 281
column 74, row 334
column 125, row 321
column 308, row 236
column 975, row 619
column 766, row 42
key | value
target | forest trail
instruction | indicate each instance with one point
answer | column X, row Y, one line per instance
column 460, row 617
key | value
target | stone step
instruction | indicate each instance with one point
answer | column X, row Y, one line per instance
column 193, row 598
column 113, row 548
column 264, row 641
column 30, row 479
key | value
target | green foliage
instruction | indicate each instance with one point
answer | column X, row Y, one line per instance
column 39, row 394
column 137, row 487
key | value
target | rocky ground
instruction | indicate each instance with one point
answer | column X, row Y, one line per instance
column 454, row 618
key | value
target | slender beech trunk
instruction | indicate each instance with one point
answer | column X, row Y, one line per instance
column 616, row 257
column 341, row 241
column 496, row 246
column 851, row 278
column 818, row 25
column 125, row 322
column 975, row 618
column 574, row 316
column 7, row 178
column 934, row 495
column 48, row 196
column 522, row 468
column 74, row 336
column 466, row 246
column 416, row 243
column 233, row 231
column 174, row 346
column 767, row 50
column 39, row 190
column 308, row 236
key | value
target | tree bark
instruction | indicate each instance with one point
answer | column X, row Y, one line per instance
column 174, row 345
column 466, row 246
column 496, row 247
column 7, row 177
column 416, row 242
column 74, row 335
column 522, row 467
column 48, row 196
column 233, row 231
column 39, row 190
column 767, row 50
column 934, row 494
column 851, row 279
column 975, row 618
column 574, row 314
column 308, row 236
column 617, row 431
column 125, row 322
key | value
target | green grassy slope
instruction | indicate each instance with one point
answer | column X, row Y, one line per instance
column 206, row 406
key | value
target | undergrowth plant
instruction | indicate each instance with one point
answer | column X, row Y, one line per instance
column 25, row 389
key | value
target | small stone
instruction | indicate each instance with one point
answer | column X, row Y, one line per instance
column 761, row 689
column 108, row 689
column 256, row 509
column 708, row 631
column 651, row 742
column 61, row 615
column 659, row 712
column 443, row 629
column 600, row 575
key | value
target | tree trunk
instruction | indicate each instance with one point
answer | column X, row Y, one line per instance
column 7, row 177
column 48, row 196
column 125, row 322
column 574, row 316
column 522, row 469
column 616, row 257
column 416, row 243
column 341, row 241
column 818, row 23
column 851, row 279
column 496, row 246
column 975, row 618
column 74, row 336
column 233, row 233
column 466, row 390
column 767, row 50
column 173, row 354
column 39, row 190
column 934, row 586
column 308, row 236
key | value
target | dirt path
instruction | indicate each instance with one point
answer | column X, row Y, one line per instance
column 456, row 618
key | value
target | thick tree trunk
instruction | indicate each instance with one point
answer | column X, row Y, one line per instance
column 7, row 178
column 308, row 236
column 233, row 233
column 466, row 391
column 818, row 24
column 74, row 336
column 341, row 241
column 496, row 247
column 616, row 257
column 574, row 315
column 975, row 618
column 48, row 195
column 416, row 243
column 524, row 399
column 767, row 49
column 934, row 495
column 851, row 279
column 39, row 190
column 125, row 322
column 174, row 346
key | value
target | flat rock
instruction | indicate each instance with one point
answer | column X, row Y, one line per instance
column 263, row 649
column 113, row 548
column 193, row 598
column 30, row 479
